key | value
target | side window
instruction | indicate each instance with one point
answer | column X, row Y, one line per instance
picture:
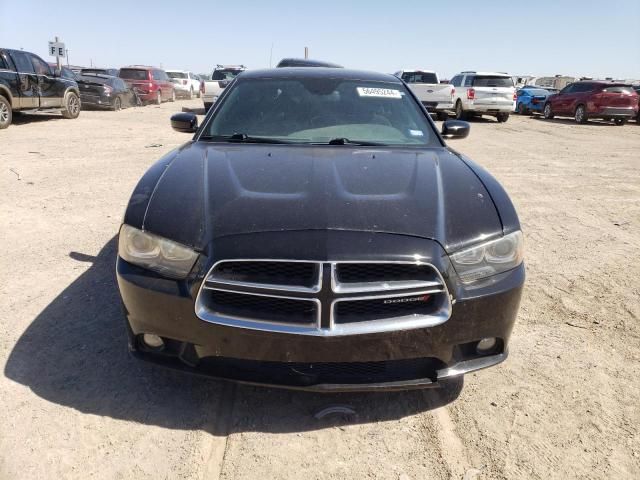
column 3, row 64
column 455, row 81
column 155, row 74
column 568, row 89
column 40, row 66
column 585, row 87
column 120, row 85
column 468, row 80
column 23, row 64
column 163, row 76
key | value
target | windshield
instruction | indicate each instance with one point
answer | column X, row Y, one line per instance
column 419, row 77
column 134, row 74
column 225, row 74
column 177, row 74
column 536, row 91
column 492, row 81
column 319, row 110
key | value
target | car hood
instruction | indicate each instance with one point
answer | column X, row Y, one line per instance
column 209, row 191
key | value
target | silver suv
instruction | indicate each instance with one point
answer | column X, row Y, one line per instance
column 483, row 93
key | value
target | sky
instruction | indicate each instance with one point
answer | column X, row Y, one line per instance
column 541, row 37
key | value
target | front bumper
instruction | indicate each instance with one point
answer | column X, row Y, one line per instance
column 398, row 359
column 489, row 109
column 438, row 106
column 101, row 101
column 613, row 112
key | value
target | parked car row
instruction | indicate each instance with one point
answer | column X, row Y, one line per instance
column 29, row 84
column 582, row 100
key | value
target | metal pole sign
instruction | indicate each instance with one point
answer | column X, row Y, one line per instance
column 58, row 50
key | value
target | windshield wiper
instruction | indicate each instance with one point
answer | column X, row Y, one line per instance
column 346, row 141
column 242, row 138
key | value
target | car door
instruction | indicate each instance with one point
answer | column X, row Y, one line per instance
column 581, row 94
column 51, row 90
column 168, row 84
column 563, row 101
column 27, row 80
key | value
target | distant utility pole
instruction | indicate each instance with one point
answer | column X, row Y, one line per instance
column 306, row 52
column 271, row 55
column 67, row 57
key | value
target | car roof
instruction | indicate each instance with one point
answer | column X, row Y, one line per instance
column 421, row 70
column 320, row 72
column 140, row 67
column 97, row 75
column 230, row 67
column 305, row 62
column 497, row 74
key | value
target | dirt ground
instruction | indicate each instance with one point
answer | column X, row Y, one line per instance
column 73, row 404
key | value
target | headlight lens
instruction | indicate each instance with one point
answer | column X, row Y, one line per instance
column 155, row 253
column 489, row 258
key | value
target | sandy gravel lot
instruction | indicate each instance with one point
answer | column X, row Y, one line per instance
column 73, row 404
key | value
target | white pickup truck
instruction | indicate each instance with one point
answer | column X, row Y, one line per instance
column 220, row 78
column 435, row 96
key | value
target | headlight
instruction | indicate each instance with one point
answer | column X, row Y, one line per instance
column 155, row 253
column 489, row 258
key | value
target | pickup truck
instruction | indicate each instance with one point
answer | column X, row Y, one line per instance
column 220, row 78
column 435, row 96
column 28, row 84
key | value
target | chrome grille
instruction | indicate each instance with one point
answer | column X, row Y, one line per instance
column 323, row 298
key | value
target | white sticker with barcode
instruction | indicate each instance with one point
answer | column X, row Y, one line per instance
column 378, row 92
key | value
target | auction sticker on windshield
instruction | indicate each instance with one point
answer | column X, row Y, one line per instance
column 378, row 92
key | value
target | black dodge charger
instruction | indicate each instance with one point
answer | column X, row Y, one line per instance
column 317, row 233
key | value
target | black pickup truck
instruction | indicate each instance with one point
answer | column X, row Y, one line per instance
column 28, row 84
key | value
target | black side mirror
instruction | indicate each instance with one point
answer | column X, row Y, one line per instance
column 455, row 129
column 184, row 122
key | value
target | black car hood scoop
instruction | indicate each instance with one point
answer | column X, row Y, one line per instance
column 213, row 190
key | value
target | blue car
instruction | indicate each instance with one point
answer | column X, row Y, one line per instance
column 531, row 98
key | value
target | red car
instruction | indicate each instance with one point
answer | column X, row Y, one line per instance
column 593, row 99
column 151, row 84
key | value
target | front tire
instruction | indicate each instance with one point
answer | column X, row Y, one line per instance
column 580, row 114
column 547, row 112
column 117, row 104
column 620, row 121
column 502, row 117
column 6, row 115
column 72, row 106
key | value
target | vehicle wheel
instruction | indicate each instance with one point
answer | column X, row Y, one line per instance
column 173, row 96
column 5, row 113
column 71, row 106
column 159, row 98
column 502, row 117
column 460, row 113
column 442, row 116
column 207, row 106
column 191, row 93
column 620, row 121
column 547, row 112
column 117, row 104
column 580, row 115
column 522, row 110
